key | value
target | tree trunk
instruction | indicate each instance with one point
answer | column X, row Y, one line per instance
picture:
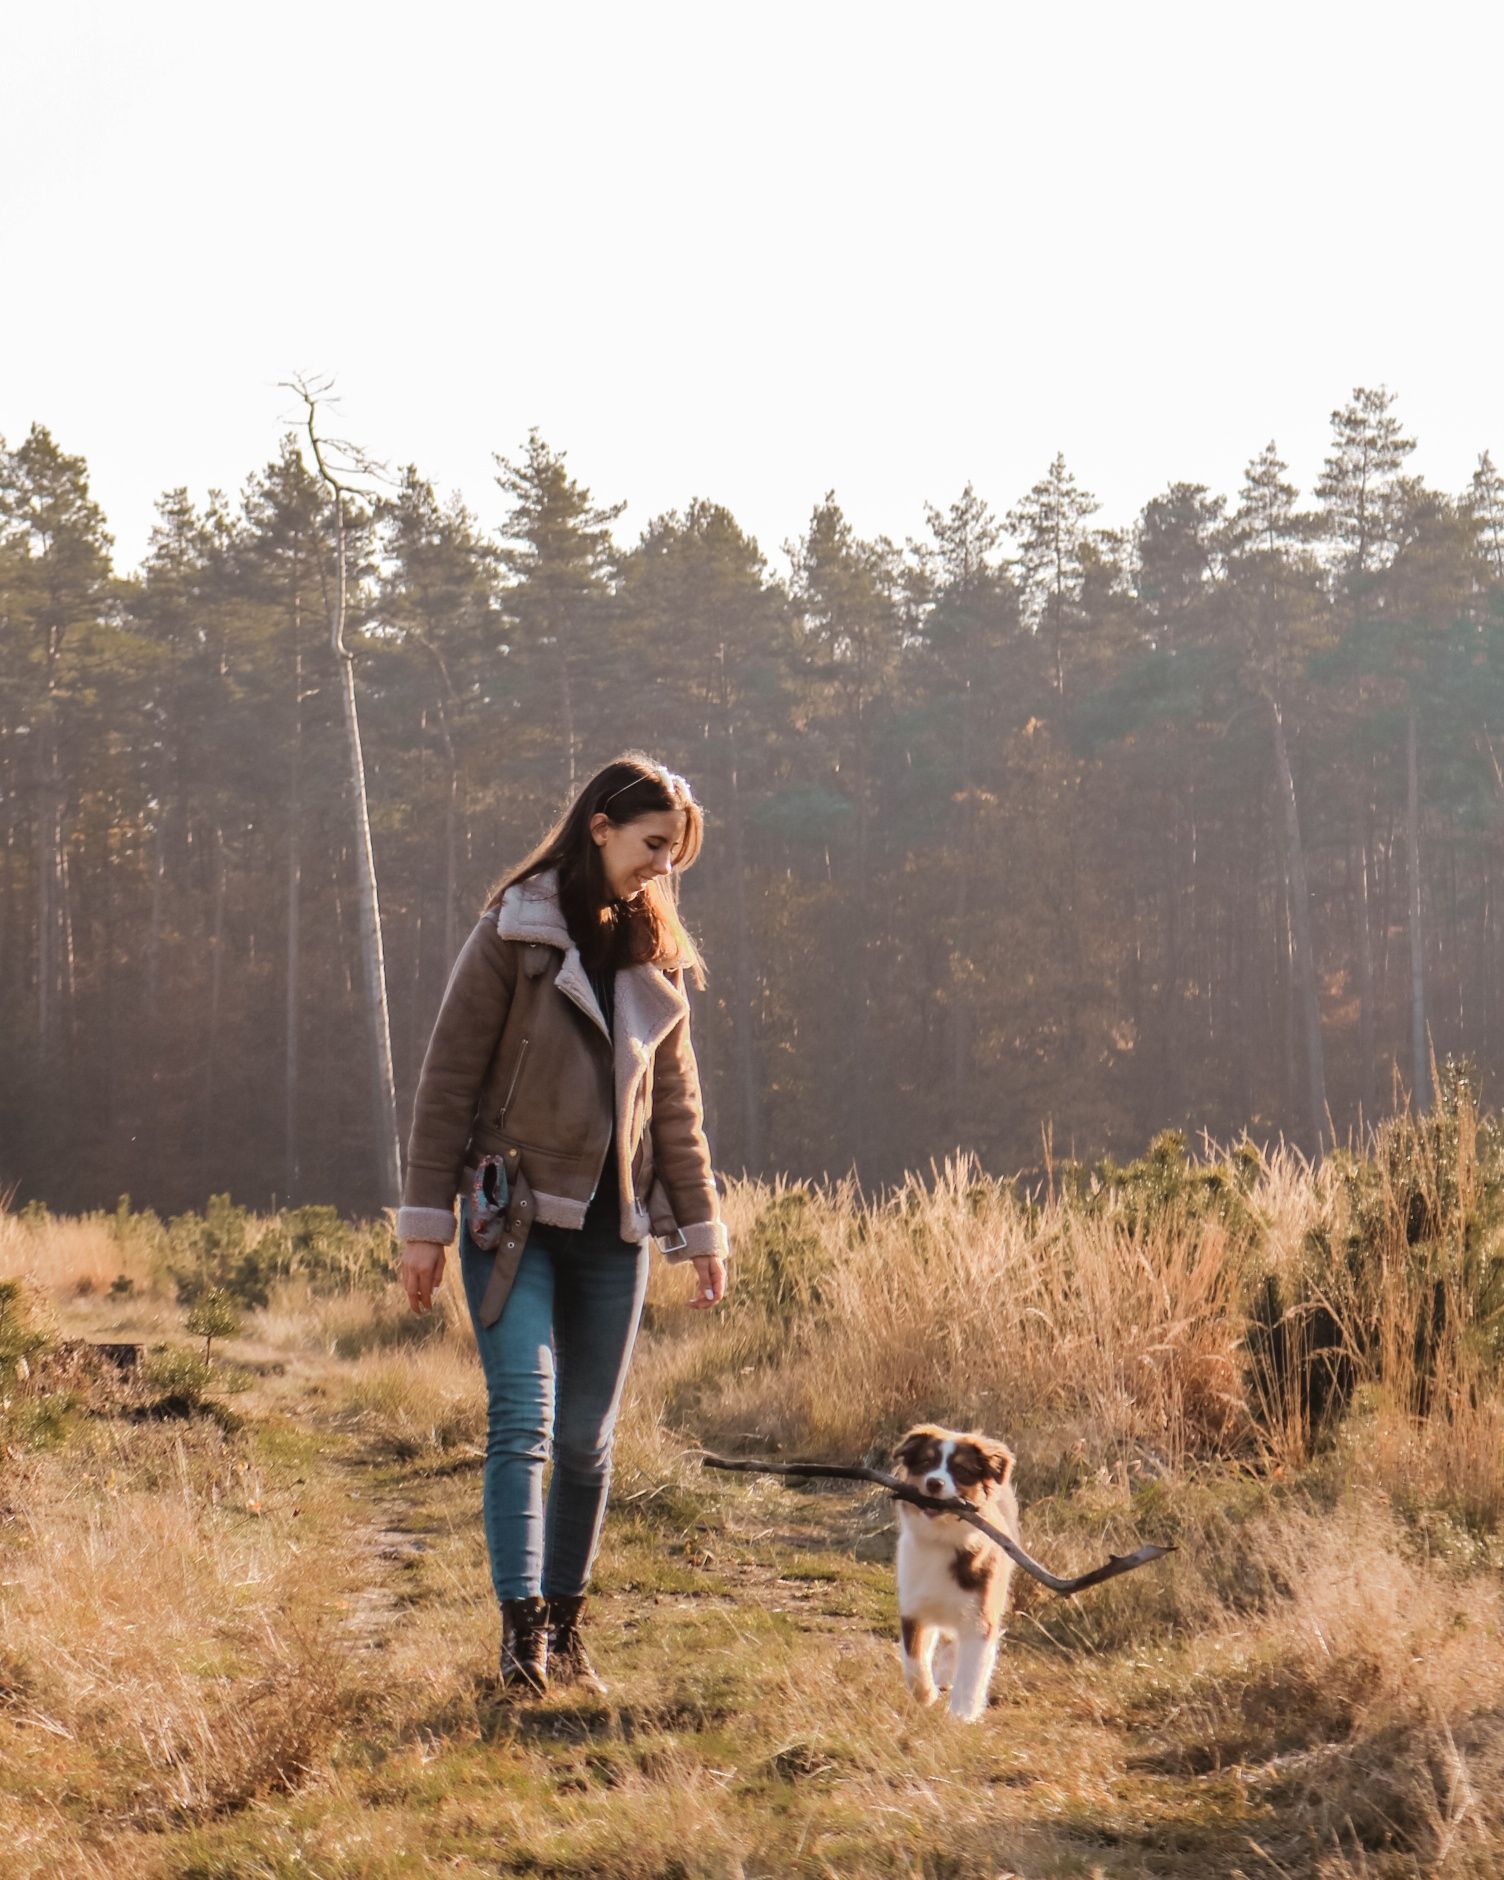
column 292, row 1172
column 1300, row 932
column 1485, row 965
column 1386, row 917
column 1285, row 977
column 70, row 963
column 216, row 992
column 1359, row 899
column 154, row 929
column 1420, row 1068
column 1170, row 1086
column 8, row 889
column 452, row 829
column 860, row 1113
column 452, row 936
column 566, row 702
column 1247, row 939
column 960, row 1015
column 373, row 965
column 49, row 839
column 748, row 1082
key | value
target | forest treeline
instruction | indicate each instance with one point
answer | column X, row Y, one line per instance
column 1023, row 822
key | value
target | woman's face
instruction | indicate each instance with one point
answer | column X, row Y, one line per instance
column 632, row 853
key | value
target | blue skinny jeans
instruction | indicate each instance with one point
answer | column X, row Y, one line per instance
column 555, row 1363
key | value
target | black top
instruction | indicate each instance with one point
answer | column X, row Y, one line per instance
column 603, row 1204
column 603, row 981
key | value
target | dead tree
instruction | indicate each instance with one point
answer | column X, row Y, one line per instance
column 337, row 461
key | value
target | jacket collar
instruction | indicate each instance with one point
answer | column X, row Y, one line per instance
column 648, row 1002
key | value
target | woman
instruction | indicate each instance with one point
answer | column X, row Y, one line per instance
column 559, row 1094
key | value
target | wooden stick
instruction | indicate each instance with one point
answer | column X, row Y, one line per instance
column 905, row 1491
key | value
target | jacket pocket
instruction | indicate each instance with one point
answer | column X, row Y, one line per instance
column 506, row 1101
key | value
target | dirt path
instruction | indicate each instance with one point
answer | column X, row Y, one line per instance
column 389, row 1548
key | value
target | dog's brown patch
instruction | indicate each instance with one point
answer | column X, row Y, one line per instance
column 971, row 1569
column 919, row 1451
column 979, row 1459
column 968, row 1465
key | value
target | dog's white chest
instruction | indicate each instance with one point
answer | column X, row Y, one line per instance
column 928, row 1584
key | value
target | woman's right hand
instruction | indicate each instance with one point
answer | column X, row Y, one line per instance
column 422, row 1270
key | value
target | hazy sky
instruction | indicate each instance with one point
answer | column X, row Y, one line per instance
column 749, row 251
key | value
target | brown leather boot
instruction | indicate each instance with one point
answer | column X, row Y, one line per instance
column 566, row 1648
column 524, row 1644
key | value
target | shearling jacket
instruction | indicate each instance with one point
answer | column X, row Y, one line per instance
column 521, row 1064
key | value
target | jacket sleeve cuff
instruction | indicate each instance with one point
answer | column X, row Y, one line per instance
column 704, row 1237
column 426, row 1224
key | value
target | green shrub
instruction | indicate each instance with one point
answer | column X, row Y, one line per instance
column 1402, row 1281
column 31, row 1416
column 782, row 1263
column 334, row 1255
column 212, row 1251
column 1167, row 1178
column 214, row 1314
column 139, row 1233
column 228, row 1250
column 25, row 1328
column 177, row 1374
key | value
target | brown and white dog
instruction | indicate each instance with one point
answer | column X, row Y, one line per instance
column 953, row 1582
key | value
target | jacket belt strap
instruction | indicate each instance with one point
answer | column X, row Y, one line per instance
column 509, row 1250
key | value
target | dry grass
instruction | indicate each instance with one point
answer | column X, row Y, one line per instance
column 155, row 1633
column 260, row 1644
column 78, row 1257
column 958, row 1300
column 1358, row 1693
column 425, row 1402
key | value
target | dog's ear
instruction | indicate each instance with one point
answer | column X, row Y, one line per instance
column 907, row 1449
column 1000, row 1460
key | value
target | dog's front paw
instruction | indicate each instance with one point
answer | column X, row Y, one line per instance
column 921, row 1684
column 944, row 1667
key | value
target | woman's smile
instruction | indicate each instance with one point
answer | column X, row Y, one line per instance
column 634, row 853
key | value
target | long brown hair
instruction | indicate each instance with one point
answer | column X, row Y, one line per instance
column 608, row 931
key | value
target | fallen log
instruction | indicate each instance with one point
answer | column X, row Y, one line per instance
column 963, row 1510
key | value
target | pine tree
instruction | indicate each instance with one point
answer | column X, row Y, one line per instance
column 1485, row 504
column 1049, row 526
column 440, row 628
column 1179, row 552
column 704, row 650
column 1360, row 487
column 279, row 659
column 846, row 595
column 58, row 612
column 1279, row 615
column 558, row 550
column 1430, row 591
column 964, row 621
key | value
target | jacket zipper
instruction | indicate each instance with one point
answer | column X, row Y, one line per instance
column 511, row 1087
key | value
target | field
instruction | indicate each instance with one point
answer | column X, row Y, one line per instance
column 246, row 1627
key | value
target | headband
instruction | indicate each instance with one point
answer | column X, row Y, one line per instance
column 670, row 779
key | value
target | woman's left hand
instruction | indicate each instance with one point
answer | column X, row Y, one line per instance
column 710, row 1280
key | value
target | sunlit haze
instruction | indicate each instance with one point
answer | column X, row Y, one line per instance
column 749, row 252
